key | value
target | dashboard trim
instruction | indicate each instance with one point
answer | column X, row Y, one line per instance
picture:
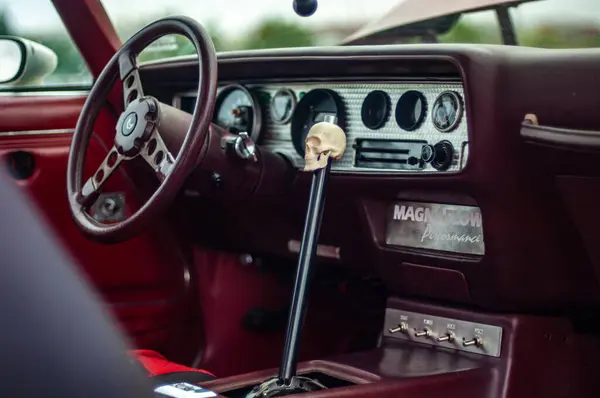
column 561, row 137
column 383, row 53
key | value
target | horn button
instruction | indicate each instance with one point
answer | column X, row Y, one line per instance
column 135, row 126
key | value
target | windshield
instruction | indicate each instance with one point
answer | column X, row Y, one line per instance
column 256, row 24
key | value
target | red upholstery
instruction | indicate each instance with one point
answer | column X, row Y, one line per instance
column 156, row 364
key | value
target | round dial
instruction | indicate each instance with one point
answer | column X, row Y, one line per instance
column 411, row 110
column 237, row 110
column 312, row 109
column 282, row 106
column 447, row 111
column 375, row 109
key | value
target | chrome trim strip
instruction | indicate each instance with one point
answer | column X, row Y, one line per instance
column 326, row 251
column 57, row 93
column 562, row 137
column 36, row 132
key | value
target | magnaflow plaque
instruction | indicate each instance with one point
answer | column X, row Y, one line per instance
column 433, row 226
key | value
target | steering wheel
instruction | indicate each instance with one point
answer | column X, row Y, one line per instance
column 137, row 131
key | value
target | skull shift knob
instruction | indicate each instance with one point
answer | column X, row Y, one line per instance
column 324, row 140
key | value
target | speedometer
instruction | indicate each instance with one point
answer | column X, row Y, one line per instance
column 238, row 111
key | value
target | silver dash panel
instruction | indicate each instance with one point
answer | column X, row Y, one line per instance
column 277, row 137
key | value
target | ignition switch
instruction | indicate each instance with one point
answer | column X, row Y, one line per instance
column 242, row 145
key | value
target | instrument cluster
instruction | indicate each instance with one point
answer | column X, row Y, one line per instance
column 391, row 127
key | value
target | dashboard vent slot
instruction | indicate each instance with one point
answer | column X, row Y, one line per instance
column 389, row 154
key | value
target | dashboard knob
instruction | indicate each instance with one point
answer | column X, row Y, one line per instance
column 427, row 153
column 443, row 155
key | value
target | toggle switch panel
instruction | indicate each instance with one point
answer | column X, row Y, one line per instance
column 438, row 331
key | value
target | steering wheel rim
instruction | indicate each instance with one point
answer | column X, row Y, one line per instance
column 133, row 137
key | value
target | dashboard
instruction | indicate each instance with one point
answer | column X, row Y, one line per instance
column 392, row 127
column 525, row 206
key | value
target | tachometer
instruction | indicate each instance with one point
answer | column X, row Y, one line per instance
column 238, row 111
column 447, row 111
column 312, row 109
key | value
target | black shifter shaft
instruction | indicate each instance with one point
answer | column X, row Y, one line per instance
column 314, row 214
column 325, row 142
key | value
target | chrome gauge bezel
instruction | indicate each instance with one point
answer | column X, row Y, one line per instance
column 387, row 108
column 256, row 109
column 402, row 106
column 290, row 93
column 459, row 111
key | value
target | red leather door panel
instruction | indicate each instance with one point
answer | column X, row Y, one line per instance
column 142, row 279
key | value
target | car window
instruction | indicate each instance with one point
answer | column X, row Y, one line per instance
column 539, row 23
column 38, row 20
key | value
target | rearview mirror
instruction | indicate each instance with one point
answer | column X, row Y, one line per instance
column 23, row 61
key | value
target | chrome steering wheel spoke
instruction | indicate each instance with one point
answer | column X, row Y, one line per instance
column 130, row 77
column 158, row 156
column 91, row 189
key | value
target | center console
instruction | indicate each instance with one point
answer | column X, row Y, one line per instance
column 488, row 356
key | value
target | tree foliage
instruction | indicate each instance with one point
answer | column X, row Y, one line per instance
column 275, row 33
column 464, row 32
column 549, row 35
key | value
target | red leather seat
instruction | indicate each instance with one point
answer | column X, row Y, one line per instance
column 163, row 371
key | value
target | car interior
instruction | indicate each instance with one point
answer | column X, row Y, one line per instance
column 335, row 221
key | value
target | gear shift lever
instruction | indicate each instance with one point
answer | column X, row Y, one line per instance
column 325, row 142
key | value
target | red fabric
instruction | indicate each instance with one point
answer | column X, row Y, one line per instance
column 157, row 364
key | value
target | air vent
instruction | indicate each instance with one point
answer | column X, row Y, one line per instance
column 389, row 154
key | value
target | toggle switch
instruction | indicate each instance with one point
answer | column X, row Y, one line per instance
column 423, row 333
column 402, row 328
column 449, row 337
column 476, row 341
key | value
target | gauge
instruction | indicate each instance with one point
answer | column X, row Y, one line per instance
column 375, row 109
column 411, row 110
column 312, row 109
column 282, row 106
column 237, row 110
column 447, row 111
